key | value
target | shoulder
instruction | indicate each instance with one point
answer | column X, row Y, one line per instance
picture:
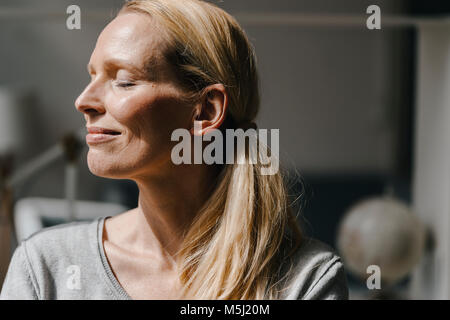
column 316, row 272
column 64, row 237
column 40, row 264
column 56, row 247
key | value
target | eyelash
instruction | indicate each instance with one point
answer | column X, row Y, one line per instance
column 125, row 84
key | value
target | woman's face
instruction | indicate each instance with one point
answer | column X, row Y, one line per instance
column 132, row 104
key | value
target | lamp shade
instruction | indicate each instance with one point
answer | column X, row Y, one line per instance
column 12, row 121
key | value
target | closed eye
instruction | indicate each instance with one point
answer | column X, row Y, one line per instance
column 125, row 84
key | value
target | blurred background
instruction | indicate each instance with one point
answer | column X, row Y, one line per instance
column 362, row 115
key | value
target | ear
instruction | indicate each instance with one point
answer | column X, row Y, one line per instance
column 211, row 111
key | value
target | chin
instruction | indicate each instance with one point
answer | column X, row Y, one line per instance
column 106, row 166
column 128, row 165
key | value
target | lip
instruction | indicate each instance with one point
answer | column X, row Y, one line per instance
column 102, row 130
column 98, row 135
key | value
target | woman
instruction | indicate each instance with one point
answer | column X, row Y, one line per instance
column 200, row 231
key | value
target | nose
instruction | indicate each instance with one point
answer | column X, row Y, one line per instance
column 90, row 100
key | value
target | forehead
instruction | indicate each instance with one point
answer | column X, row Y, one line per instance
column 132, row 37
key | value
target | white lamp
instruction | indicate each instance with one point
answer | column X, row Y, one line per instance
column 12, row 120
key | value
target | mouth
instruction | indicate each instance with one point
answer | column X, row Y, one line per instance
column 99, row 130
column 98, row 135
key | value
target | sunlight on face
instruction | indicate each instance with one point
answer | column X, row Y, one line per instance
column 132, row 104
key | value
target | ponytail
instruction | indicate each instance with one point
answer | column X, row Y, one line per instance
column 235, row 247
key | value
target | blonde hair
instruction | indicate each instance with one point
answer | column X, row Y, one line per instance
column 234, row 247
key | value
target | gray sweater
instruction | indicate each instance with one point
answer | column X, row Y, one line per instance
column 68, row 262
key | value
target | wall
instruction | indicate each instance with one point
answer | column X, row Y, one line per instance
column 330, row 91
column 432, row 160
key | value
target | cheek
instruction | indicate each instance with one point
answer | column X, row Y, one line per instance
column 148, row 119
column 151, row 113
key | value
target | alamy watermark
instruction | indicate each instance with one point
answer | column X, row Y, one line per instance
column 374, row 20
column 233, row 143
column 374, row 280
column 74, row 19
column 74, row 280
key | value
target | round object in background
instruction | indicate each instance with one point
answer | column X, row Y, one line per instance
column 382, row 232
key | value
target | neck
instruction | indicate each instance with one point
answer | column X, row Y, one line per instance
column 168, row 204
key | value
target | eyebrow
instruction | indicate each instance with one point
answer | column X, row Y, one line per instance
column 120, row 63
